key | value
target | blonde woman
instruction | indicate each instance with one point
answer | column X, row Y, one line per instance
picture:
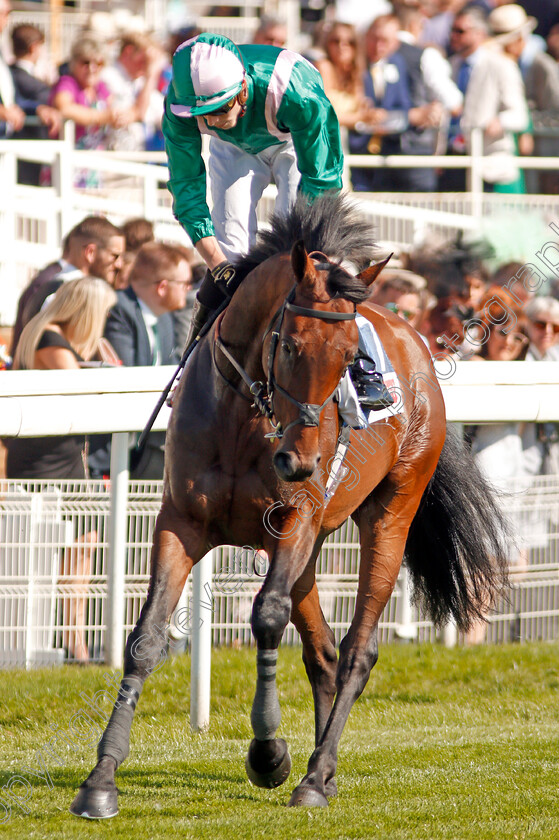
column 342, row 70
column 66, row 333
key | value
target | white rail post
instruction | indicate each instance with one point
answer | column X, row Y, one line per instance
column 476, row 176
column 114, row 620
column 201, row 653
column 406, row 628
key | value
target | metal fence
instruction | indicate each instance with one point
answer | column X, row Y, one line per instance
column 54, row 556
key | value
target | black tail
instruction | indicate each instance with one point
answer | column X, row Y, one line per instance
column 458, row 545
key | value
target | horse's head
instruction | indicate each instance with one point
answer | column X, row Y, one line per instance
column 312, row 342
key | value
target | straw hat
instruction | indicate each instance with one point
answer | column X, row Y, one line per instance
column 510, row 22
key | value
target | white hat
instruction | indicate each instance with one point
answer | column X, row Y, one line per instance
column 510, row 22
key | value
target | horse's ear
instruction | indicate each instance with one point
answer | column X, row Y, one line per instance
column 300, row 262
column 369, row 275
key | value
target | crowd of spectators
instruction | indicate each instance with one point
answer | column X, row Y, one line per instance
column 412, row 79
column 405, row 77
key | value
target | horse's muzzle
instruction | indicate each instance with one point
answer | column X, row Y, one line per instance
column 289, row 466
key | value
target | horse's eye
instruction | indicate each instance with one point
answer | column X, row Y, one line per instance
column 286, row 347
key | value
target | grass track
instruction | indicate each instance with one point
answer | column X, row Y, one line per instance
column 443, row 744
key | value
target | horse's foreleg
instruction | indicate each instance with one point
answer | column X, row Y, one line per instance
column 268, row 763
column 319, row 652
column 145, row 652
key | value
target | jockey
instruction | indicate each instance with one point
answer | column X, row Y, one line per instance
column 269, row 121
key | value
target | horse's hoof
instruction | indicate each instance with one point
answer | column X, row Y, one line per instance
column 268, row 763
column 307, row 797
column 95, row 804
column 331, row 788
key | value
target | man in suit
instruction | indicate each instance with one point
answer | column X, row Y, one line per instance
column 401, row 115
column 140, row 328
column 32, row 95
column 12, row 116
column 94, row 247
column 494, row 98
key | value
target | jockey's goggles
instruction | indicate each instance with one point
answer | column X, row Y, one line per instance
column 224, row 109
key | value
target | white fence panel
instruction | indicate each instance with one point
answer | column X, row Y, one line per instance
column 31, row 580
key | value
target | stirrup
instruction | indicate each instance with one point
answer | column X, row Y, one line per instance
column 369, row 385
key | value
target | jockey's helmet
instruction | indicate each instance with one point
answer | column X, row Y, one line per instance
column 208, row 71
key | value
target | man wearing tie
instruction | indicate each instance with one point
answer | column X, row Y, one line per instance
column 140, row 329
column 494, row 101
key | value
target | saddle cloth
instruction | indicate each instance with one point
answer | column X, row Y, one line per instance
column 349, row 406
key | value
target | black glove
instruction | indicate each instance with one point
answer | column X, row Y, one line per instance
column 224, row 277
column 217, row 285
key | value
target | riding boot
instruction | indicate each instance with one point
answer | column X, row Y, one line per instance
column 369, row 384
column 200, row 316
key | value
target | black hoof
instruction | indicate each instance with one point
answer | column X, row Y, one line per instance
column 268, row 763
column 307, row 797
column 331, row 788
column 95, row 804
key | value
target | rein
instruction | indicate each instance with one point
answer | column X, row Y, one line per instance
column 263, row 393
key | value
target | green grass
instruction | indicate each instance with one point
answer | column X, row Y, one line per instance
column 443, row 744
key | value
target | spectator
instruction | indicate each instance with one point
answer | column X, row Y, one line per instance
column 12, row 116
column 271, row 31
column 65, row 334
column 136, row 233
column 360, row 14
column 140, row 328
column 386, row 86
column 82, row 97
column 543, row 328
column 476, row 279
column 541, row 78
column 132, row 81
column 436, row 29
column 342, row 74
column 399, row 290
column 32, row 95
column 435, row 96
column 541, row 440
column 494, row 100
column 95, row 248
column 497, row 447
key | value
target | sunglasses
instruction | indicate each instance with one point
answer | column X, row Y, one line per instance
column 543, row 325
column 224, row 109
column 456, row 30
column 90, row 62
column 404, row 313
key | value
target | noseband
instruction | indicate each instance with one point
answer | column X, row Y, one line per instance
column 263, row 393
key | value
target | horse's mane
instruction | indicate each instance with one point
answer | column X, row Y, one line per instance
column 331, row 224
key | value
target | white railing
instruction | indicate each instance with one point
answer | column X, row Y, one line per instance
column 34, row 220
column 120, row 401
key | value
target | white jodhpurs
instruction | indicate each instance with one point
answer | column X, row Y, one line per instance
column 238, row 180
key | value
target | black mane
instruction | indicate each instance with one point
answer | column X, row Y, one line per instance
column 331, row 224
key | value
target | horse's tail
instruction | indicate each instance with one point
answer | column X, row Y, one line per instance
column 458, row 544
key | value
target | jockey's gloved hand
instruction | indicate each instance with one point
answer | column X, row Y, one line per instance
column 217, row 285
column 224, row 277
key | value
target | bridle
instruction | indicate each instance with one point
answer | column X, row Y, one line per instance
column 263, row 392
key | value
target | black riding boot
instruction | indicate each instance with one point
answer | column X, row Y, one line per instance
column 369, row 384
column 200, row 315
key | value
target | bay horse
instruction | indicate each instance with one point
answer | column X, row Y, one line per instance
column 278, row 352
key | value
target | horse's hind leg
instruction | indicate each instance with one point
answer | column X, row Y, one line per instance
column 145, row 652
column 383, row 523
